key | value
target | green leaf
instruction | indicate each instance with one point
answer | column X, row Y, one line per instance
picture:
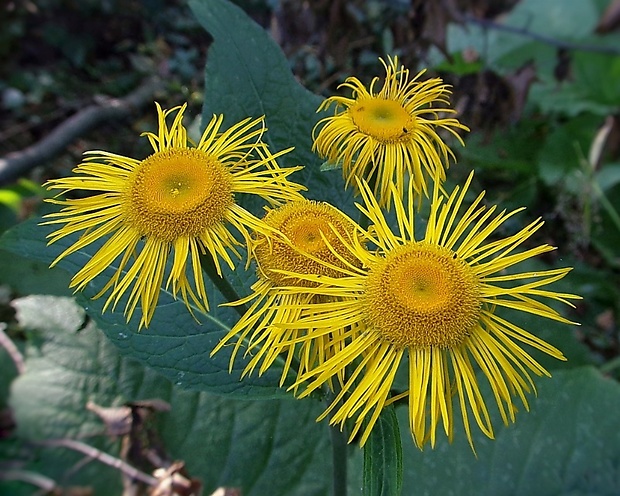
column 608, row 176
column 248, row 75
column 513, row 150
column 29, row 276
column 531, row 33
column 549, row 18
column 569, row 99
column 592, row 87
column 8, row 217
column 533, row 30
column 568, row 444
column 175, row 344
column 459, row 66
column 561, row 158
column 383, row 457
column 48, row 400
column 597, row 75
column 262, row 447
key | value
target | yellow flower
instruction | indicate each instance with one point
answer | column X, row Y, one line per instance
column 433, row 299
column 389, row 135
column 310, row 231
column 175, row 205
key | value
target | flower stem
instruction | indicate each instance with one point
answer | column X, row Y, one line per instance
column 371, row 180
column 223, row 286
column 339, row 461
column 339, row 454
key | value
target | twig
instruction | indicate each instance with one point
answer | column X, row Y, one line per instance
column 568, row 45
column 17, row 129
column 34, row 478
column 15, row 164
column 103, row 457
column 11, row 349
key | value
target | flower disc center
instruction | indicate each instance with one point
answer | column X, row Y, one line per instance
column 307, row 225
column 305, row 233
column 178, row 192
column 422, row 295
column 384, row 120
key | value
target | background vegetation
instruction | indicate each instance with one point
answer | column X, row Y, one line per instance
column 536, row 81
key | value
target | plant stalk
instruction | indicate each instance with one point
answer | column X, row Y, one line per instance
column 223, row 286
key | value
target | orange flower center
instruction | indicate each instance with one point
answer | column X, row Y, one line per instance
column 423, row 295
column 177, row 193
column 311, row 229
column 385, row 120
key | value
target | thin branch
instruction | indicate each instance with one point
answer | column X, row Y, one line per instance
column 103, row 457
column 548, row 40
column 33, row 478
column 16, row 164
column 7, row 343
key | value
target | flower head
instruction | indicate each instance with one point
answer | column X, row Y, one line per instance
column 433, row 296
column 311, row 245
column 388, row 135
column 175, row 205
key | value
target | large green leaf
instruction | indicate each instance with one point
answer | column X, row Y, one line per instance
column 248, row 75
column 29, row 276
column 175, row 344
column 561, row 158
column 592, row 87
column 265, row 447
column 568, row 444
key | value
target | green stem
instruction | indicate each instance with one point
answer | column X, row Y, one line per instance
column 339, row 455
column 339, row 460
column 223, row 286
column 230, row 293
